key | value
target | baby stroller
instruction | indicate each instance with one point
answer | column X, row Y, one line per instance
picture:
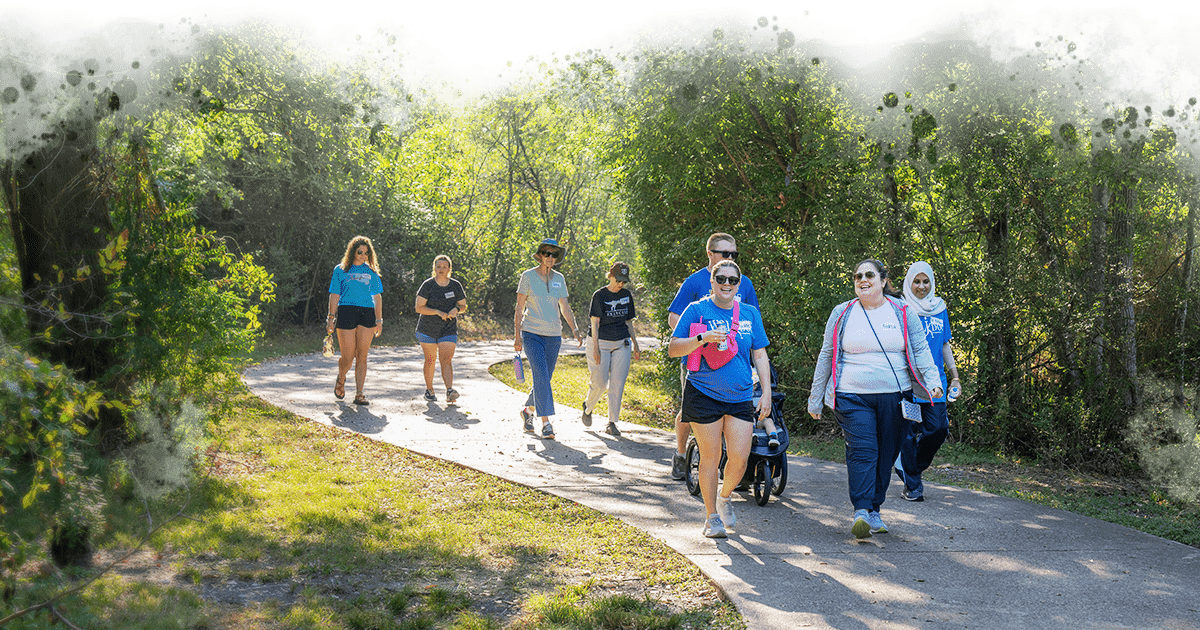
column 767, row 467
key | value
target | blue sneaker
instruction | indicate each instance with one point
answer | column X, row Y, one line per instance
column 915, row 496
column 861, row 528
column 527, row 419
column 876, row 523
column 547, row 432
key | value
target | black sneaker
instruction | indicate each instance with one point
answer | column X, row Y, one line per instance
column 587, row 415
column 612, row 429
column 451, row 395
column 678, row 467
column 528, row 419
column 429, row 396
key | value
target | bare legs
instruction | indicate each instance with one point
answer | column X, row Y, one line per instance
column 738, row 436
column 354, row 345
column 442, row 353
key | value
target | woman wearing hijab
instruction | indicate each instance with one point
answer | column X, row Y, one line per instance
column 874, row 356
column 925, row 438
column 541, row 298
column 356, row 310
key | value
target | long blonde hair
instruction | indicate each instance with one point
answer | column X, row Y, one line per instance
column 433, row 267
column 348, row 258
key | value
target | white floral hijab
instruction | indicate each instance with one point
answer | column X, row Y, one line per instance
column 931, row 304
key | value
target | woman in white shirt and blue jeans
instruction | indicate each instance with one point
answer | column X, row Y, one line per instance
column 873, row 356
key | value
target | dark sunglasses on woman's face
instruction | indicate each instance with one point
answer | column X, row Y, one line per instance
column 546, row 252
column 725, row 254
column 727, row 279
column 869, row 275
column 361, row 252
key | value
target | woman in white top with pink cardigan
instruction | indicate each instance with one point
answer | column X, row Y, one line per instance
column 873, row 356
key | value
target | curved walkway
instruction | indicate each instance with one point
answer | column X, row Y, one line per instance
column 961, row 559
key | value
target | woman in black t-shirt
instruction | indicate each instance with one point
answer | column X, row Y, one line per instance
column 612, row 340
column 440, row 301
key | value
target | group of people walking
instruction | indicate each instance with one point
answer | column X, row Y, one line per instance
column 356, row 314
column 882, row 369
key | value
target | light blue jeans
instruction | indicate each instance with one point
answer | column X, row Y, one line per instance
column 542, row 353
column 610, row 374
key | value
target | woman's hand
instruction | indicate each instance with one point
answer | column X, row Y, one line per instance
column 815, row 416
column 936, row 392
column 764, row 404
column 378, row 329
column 517, row 345
column 452, row 314
column 579, row 337
column 596, row 355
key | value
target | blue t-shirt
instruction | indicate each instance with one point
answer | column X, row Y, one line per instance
column 358, row 287
column 937, row 333
column 699, row 285
column 734, row 381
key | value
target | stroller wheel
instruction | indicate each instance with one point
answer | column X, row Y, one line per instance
column 693, row 467
column 779, row 470
column 763, row 482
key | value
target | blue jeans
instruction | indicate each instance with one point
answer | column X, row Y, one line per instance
column 922, row 443
column 874, row 429
column 542, row 353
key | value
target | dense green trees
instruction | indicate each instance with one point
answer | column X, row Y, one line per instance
column 158, row 209
column 1060, row 226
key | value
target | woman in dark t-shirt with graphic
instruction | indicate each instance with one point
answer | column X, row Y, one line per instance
column 440, row 301
column 612, row 342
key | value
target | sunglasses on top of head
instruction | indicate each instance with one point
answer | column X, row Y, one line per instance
column 551, row 253
column 725, row 254
column 727, row 279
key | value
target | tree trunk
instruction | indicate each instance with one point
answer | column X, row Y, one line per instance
column 59, row 222
column 1097, row 301
column 1124, row 324
column 1186, row 278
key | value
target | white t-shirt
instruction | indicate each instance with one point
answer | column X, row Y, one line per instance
column 865, row 368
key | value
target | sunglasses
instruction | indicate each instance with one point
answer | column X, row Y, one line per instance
column 727, row 279
column 869, row 275
column 361, row 252
column 551, row 253
column 725, row 254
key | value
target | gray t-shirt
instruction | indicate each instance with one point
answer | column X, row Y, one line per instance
column 865, row 368
column 541, row 303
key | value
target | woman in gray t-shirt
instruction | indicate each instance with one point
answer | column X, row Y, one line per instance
column 541, row 297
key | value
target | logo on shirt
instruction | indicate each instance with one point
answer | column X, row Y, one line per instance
column 364, row 278
column 934, row 326
column 618, row 304
column 891, row 326
column 556, row 285
column 745, row 327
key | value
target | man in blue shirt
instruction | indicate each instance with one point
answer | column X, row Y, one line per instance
column 698, row 285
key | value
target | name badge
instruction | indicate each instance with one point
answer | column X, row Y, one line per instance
column 556, row 285
column 450, row 295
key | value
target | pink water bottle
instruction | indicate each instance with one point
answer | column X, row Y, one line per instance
column 518, row 369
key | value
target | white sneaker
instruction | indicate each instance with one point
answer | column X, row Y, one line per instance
column 725, row 509
column 713, row 527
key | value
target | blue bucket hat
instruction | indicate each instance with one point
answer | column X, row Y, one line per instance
column 550, row 242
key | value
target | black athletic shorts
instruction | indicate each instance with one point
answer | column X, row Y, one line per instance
column 351, row 317
column 702, row 409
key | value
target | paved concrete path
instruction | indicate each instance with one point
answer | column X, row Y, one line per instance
column 961, row 559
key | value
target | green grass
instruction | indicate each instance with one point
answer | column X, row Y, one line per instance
column 645, row 401
column 361, row 534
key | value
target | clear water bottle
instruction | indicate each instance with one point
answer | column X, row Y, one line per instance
column 953, row 394
column 518, row 369
column 327, row 347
